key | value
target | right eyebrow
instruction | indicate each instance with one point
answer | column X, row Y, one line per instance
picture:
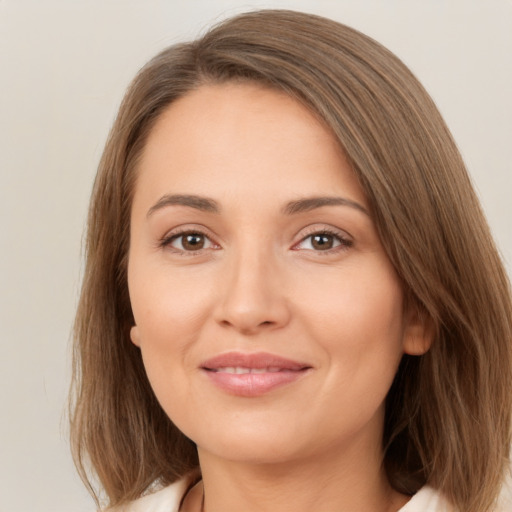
column 198, row 202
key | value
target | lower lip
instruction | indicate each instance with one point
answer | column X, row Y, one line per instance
column 253, row 384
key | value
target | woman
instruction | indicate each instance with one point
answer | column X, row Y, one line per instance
column 292, row 300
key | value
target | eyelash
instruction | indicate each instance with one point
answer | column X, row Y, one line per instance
column 344, row 242
column 168, row 239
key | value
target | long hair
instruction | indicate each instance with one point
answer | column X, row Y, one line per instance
column 448, row 413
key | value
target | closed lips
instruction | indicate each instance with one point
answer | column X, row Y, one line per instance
column 239, row 363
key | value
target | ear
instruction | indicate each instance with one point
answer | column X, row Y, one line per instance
column 419, row 332
column 135, row 335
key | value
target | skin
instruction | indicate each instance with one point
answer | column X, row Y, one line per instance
column 261, row 282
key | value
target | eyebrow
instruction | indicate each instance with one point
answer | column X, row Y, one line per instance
column 204, row 204
column 293, row 207
column 311, row 203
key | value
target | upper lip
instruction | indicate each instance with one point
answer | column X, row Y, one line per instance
column 258, row 360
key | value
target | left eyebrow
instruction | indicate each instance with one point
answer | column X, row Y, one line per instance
column 311, row 203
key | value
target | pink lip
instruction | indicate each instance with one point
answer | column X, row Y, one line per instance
column 280, row 371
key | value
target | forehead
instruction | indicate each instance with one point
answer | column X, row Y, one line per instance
column 242, row 138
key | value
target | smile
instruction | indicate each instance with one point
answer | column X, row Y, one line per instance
column 251, row 375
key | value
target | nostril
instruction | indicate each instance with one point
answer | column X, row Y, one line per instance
column 228, row 323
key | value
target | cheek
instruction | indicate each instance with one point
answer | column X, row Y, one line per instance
column 168, row 327
column 167, row 305
column 357, row 318
column 356, row 301
column 170, row 309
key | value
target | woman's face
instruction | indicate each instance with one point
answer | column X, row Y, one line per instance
column 269, row 317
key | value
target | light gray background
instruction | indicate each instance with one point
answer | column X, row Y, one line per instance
column 64, row 66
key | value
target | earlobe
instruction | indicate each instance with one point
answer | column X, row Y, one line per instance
column 135, row 335
column 419, row 334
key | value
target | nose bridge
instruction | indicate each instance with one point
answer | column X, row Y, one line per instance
column 253, row 295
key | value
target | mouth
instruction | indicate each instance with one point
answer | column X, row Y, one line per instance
column 240, row 370
column 252, row 375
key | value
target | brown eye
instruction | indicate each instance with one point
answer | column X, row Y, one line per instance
column 189, row 242
column 193, row 242
column 322, row 242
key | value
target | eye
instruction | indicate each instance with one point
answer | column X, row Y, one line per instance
column 323, row 241
column 189, row 241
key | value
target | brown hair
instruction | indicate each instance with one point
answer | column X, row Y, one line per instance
column 448, row 413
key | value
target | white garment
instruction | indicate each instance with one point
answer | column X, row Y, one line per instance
column 168, row 500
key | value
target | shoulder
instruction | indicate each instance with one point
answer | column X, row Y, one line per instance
column 426, row 499
column 167, row 499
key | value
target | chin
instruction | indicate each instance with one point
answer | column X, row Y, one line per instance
column 261, row 441
column 250, row 449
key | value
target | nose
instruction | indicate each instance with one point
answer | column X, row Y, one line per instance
column 253, row 297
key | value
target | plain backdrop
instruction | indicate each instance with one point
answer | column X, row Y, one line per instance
column 64, row 65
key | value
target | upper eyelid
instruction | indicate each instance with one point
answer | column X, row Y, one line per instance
column 191, row 228
column 323, row 228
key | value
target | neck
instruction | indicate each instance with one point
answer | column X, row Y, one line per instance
column 333, row 482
